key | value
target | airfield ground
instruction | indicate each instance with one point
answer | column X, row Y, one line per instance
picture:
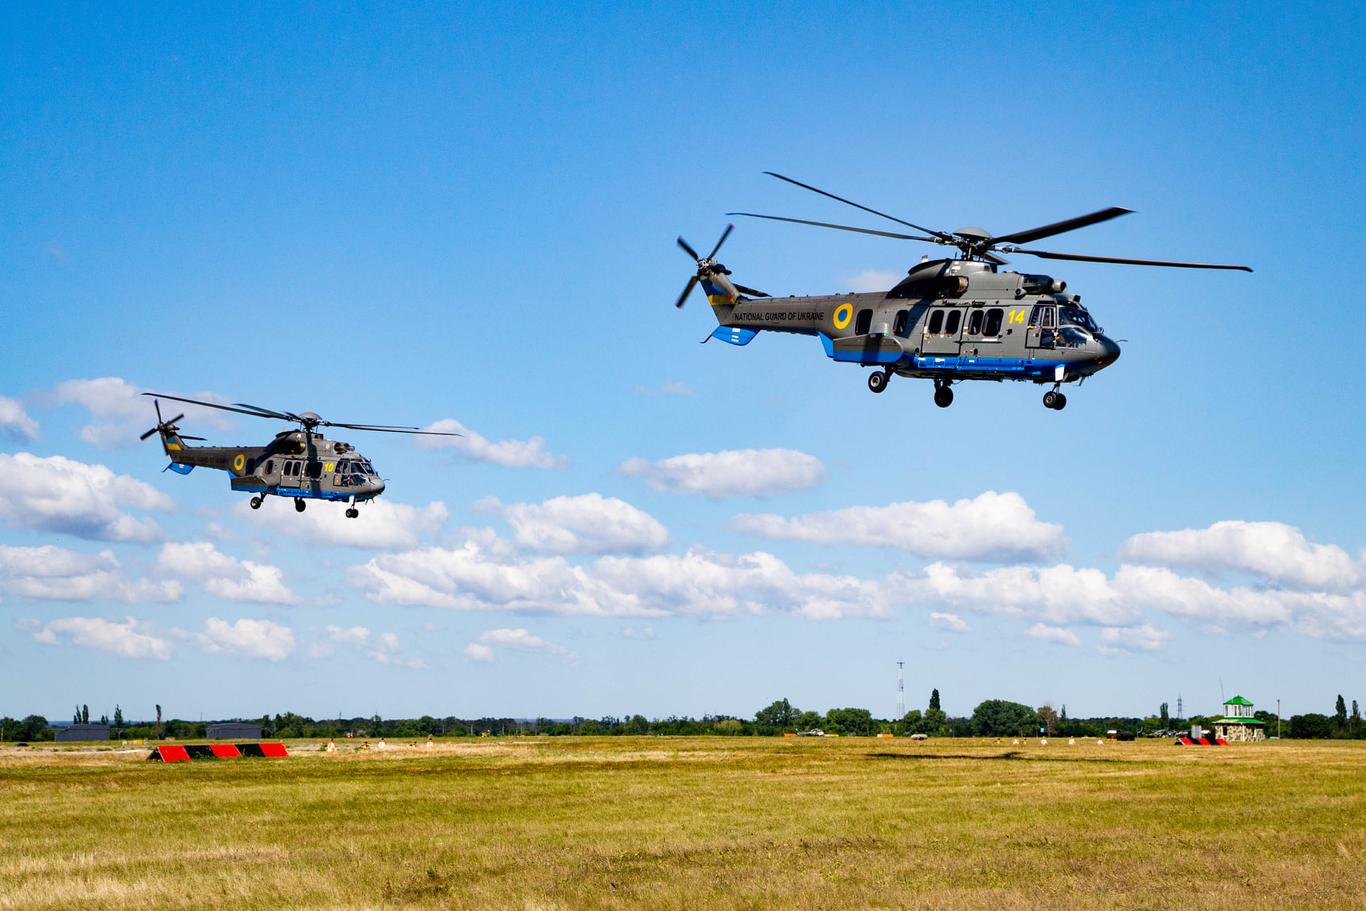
column 692, row 823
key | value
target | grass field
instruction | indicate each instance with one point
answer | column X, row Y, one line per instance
column 692, row 823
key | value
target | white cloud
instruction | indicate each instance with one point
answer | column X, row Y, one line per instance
column 1056, row 634
column 58, row 494
column 590, row 523
column 251, row 637
column 991, row 526
column 949, row 621
column 56, row 574
column 353, row 635
column 129, row 638
column 1272, row 550
column 730, row 473
column 477, row 652
column 1052, row 594
column 479, row 577
column 1144, row 638
column 873, row 280
column 1196, row 599
column 15, row 423
column 121, row 413
column 382, row 524
column 530, row 453
column 224, row 576
column 385, row 650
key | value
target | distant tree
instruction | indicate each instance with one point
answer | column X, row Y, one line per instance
column 1048, row 719
column 76, row 718
column 118, row 716
column 1000, row 718
column 1311, row 726
column 777, row 717
column 934, row 700
column 852, row 721
column 158, row 722
column 1354, row 723
column 637, row 724
column 1164, row 717
column 808, row 721
column 1340, row 714
column 910, row 723
column 85, row 712
column 1062, row 716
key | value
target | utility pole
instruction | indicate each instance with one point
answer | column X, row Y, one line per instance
column 1278, row 719
column 1180, row 713
column 900, row 690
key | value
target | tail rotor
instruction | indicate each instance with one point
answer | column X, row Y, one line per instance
column 709, row 269
column 164, row 426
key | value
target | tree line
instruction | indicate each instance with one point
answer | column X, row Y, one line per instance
column 991, row 718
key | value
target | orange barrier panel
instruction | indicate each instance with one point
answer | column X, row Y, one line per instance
column 175, row 753
column 273, row 749
column 225, row 751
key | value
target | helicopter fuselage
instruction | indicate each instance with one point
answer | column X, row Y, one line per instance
column 948, row 320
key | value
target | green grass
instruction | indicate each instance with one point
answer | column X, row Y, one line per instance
column 693, row 823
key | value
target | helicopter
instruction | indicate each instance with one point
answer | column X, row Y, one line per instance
column 299, row 463
column 949, row 320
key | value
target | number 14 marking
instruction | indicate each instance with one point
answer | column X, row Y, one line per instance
column 1016, row 316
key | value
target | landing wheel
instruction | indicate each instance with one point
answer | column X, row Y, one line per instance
column 1055, row 400
column 255, row 502
column 878, row 380
column 352, row 512
column 299, row 505
column 943, row 396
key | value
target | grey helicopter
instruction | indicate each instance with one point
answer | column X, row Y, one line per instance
column 949, row 320
column 301, row 464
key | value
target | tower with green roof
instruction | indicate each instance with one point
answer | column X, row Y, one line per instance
column 1238, row 723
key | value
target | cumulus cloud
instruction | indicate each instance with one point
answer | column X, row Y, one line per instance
column 991, row 526
column 15, row 424
column 1164, row 590
column 1144, row 638
column 1059, row 635
column 519, row 638
column 1272, row 550
column 949, row 621
column 251, row 637
column 873, row 280
column 589, row 523
column 121, row 413
column 384, row 648
column 478, row 577
column 383, row 523
column 730, row 473
column 225, row 576
column 529, row 453
column 58, row 494
column 1054, row 595
column 54, row 573
column 129, row 638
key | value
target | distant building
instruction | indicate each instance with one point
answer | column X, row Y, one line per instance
column 1238, row 723
column 233, row 730
column 73, row 732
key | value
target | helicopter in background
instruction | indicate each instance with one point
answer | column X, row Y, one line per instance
column 948, row 320
column 301, row 464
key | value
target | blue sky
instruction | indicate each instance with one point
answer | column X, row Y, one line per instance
column 417, row 214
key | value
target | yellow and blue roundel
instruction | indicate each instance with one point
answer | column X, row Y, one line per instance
column 239, row 463
column 843, row 314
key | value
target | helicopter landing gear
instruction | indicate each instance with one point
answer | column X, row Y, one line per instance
column 943, row 395
column 256, row 502
column 299, row 505
column 352, row 512
column 1055, row 400
column 878, row 380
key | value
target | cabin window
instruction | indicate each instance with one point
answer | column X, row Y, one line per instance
column 251, row 466
column 955, row 318
column 315, row 470
column 270, row 466
column 864, row 322
column 902, row 325
column 975, row 323
column 936, row 322
column 993, row 322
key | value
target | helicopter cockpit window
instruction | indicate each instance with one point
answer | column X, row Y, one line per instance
column 270, row 466
column 1071, row 337
column 975, row 322
column 1076, row 316
column 954, row 320
column 993, row 323
column 936, row 322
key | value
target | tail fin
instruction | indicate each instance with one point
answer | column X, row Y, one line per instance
column 721, row 292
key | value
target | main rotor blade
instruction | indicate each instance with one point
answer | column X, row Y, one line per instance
column 849, row 202
column 1061, row 227
column 751, row 292
column 256, row 414
column 270, row 412
column 724, row 235
column 428, row 433
column 826, row 224
column 1078, row 257
column 687, row 249
column 687, row 289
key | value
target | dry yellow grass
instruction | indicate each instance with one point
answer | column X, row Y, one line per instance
column 693, row 823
